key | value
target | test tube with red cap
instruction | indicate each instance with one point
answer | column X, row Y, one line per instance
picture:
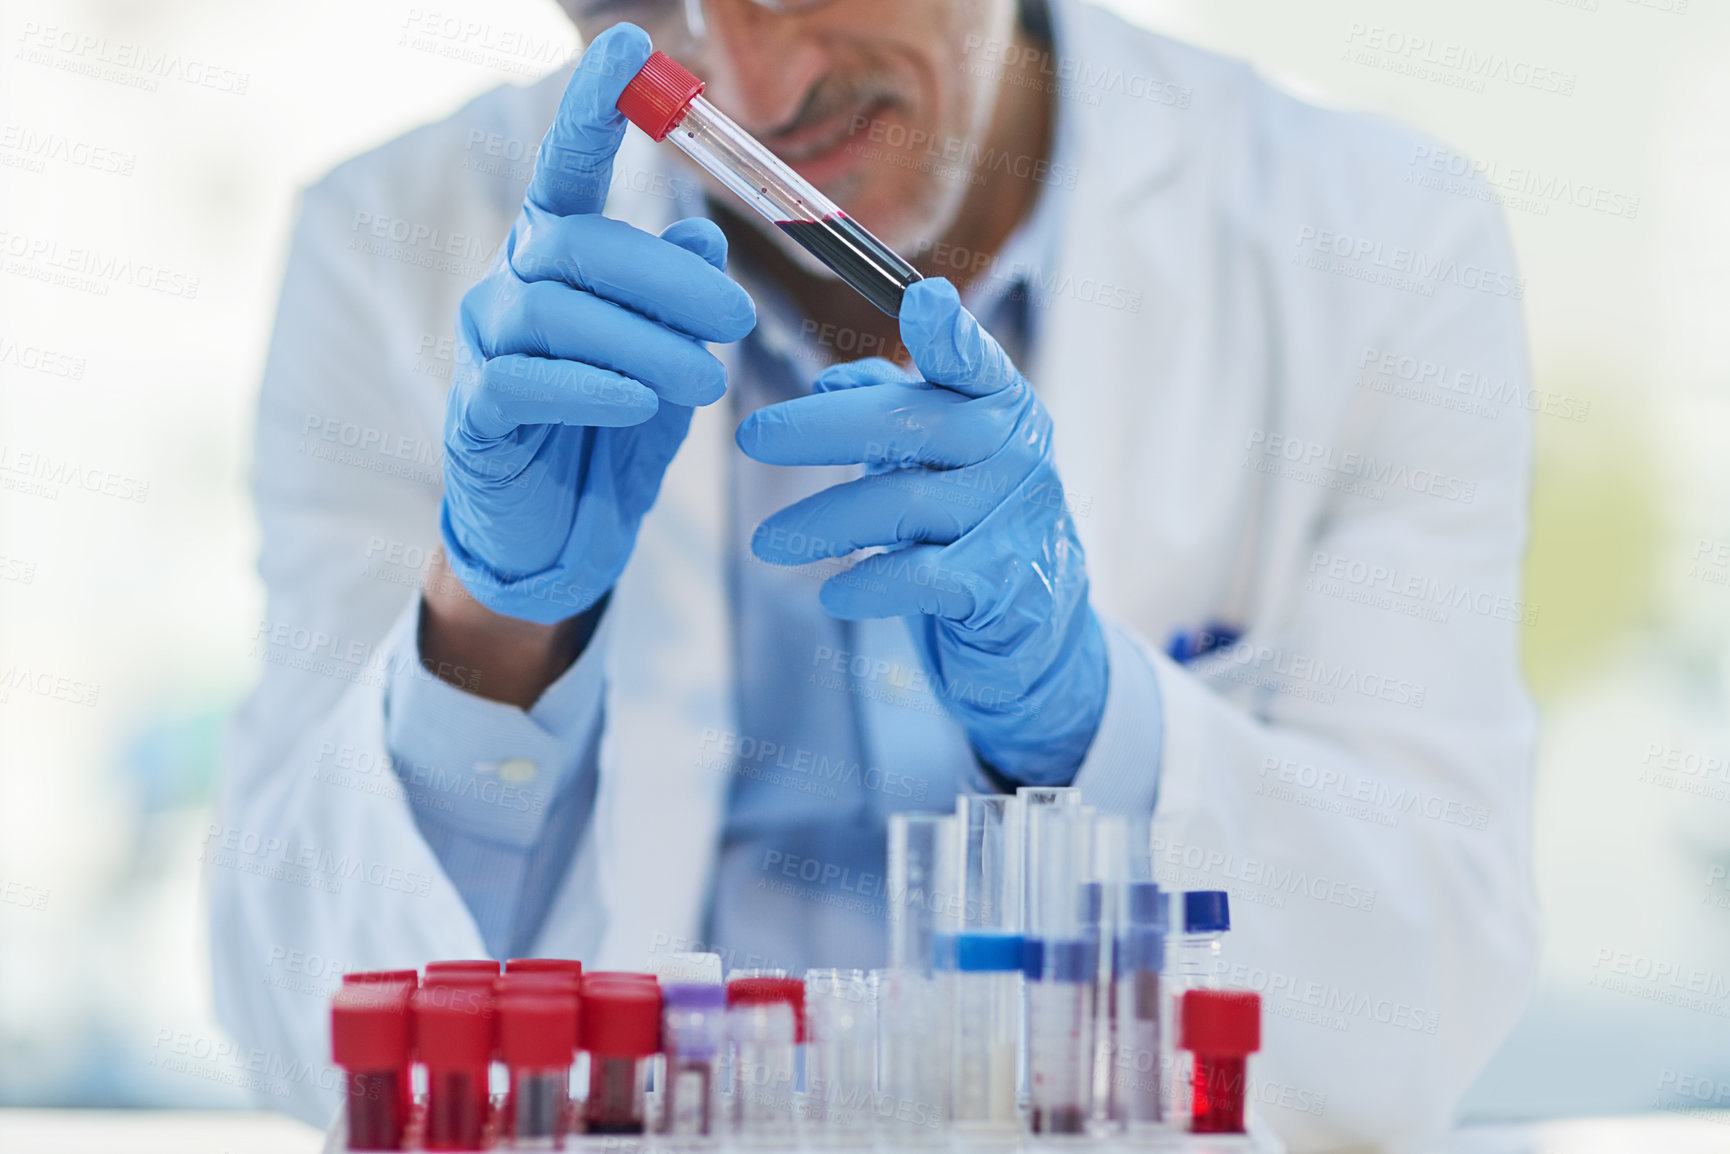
column 766, row 1023
column 454, row 1040
column 1221, row 1028
column 621, row 1031
column 666, row 101
column 480, row 966
column 410, row 978
column 537, row 1040
column 369, row 1039
column 544, row 966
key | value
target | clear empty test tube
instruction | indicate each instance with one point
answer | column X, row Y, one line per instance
column 915, row 994
column 766, row 1025
column 454, row 1040
column 665, row 101
column 1060, row 1026
column 838, row 1101
column 693, row 1037
column 369, row 1040
column 538, row 1041
column 621, row 1032
column 988, row 968
column 1220, row 1029
column 1141, row 1055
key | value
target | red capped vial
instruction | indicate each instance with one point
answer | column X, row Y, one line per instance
column 665, row 101
column 766, row 1025
column 1222, row 1028
column 621, row 1031
column 409, row 978
column 369, row 1039
column 454, row 1038
column 476, row 966
column 538, row 1042
column 544, row 966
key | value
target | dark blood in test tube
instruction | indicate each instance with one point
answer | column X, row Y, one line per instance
column 857, row 257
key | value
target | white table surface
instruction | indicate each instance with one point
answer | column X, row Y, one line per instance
column 245, row 1132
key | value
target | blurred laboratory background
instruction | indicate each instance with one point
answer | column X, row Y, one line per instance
column 128, row 608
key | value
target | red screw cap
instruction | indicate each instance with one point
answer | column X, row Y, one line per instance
column 766, row 990
column 543, row 966
column 1221, row 1023
column 454, row 1026
column 487, row 967
column 537, row 1028
column 369, row 1027
column 656, row 98
column 621, row 1019
column 381, row 978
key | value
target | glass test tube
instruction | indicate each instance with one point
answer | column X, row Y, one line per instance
column 1101, row 895
column 1141, row 1056
column 840, row 1057
column 454, row 1038
column 369, row 1039
column 664, row 99
column 763, row 1034
column 538, row 1040
column 1060, row 1038
column 693, row 1035
column 621, row 1031
column 1025, row 847
column 1202, row 917
column 988, row 965
column 1221, row 1028
column 915, row 992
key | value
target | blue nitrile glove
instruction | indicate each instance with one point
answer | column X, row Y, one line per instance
column 580, row 355
column 983, row 562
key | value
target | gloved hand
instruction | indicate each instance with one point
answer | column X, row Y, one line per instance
column 581, row 354
column 983, row 559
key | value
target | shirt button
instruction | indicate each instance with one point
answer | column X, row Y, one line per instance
column 517, row 770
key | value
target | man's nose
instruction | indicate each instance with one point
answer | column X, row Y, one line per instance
column 760, row 65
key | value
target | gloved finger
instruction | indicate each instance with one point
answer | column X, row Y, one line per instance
column 575, row 164
column 901, row 583
column 512, row 391
column 901, row 425
column 699, row 235
column 551, row 319
column 899, row 508
column 673, row 278
column 852, row 374
column 949, row 346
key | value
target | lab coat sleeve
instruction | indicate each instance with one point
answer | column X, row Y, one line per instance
column 501, row 794
column 1356, row 770
column 314, row 851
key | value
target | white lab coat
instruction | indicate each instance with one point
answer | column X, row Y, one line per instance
column 1330, row 770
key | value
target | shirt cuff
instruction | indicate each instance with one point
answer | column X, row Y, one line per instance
column 1121, row 771
column 482, row 768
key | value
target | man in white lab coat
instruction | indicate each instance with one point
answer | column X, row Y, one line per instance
column 1284, row 383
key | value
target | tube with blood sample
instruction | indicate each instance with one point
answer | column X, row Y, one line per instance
column 766, row 1024
column 666, row 101
column 1060, row 1042
column 1100, row 895
column 1202, row 916
column 1221, row 1028
column 988, row 964
column 840, row 1057
column 544, row 966
column 537, row 1040
column 1141, row 1055
column 454, row 1038
column 369, row 1039
column 693, row 1034
column 915, row 993
column 1025, row 850
column 476, row 966
column 621, row 1033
